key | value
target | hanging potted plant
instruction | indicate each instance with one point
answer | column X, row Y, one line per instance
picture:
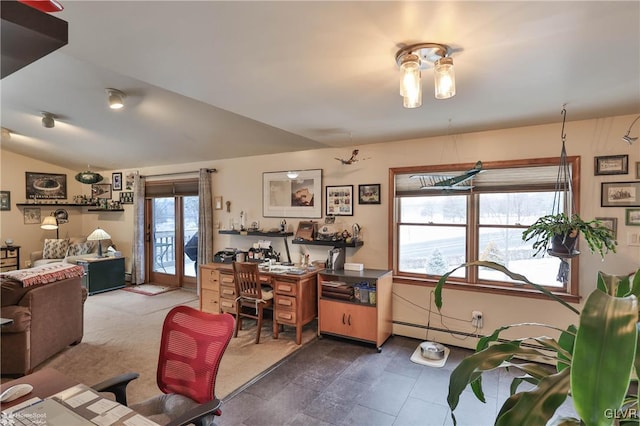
column 558, row 233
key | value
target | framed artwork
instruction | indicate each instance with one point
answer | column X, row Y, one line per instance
column 32, row 216
column 611, row 223
column 5, row 200
column 129, row 180
column 637, row 169
column 620, row 194
column 299, row 197
column 369, row 194
column 611, row 165
column 339, row 200
column 126, row 197
column 217, row 203
column 116, row 181
column 632, row 217
column 45, row 186
column 101, row 191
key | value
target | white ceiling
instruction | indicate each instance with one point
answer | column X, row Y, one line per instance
column 210, row 80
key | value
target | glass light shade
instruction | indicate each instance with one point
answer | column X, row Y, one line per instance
column 49, row 222
column 444, row 77
column 410, row 87
column 292, row 174
column 116, row 98
column 98, row 234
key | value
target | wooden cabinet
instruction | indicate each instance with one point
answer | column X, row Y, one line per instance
column 9, row 258
column 295, row 296
column 354, row 315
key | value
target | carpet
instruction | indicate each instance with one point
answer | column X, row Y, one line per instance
column 150, row 289
column 122, row 334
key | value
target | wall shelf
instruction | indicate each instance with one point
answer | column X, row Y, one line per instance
column 54, row 205
column 339, row 243
column 256, row 233
column 105, row 210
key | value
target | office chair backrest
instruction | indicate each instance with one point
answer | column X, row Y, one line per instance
column 247, row 278
column 191, row 348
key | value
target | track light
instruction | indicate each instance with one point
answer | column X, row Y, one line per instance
column 412, row 59
column 48, row 120
column 629, row 139
column 116, row 98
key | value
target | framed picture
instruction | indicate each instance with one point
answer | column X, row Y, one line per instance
column 32, row 215
column 129, row 180
column 126, row 197
column 620, row 194
column 369, row 194
column 217, row 203
column 101, row 191
column 611, row 223
column 632, row 217
column 116, row 181
column 340, row 200
column 611, row 165
column 45, row 186
column 299, row 197
column 5, row 200
column 637, row 169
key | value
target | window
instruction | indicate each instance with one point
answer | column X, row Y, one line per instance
column 435, row 230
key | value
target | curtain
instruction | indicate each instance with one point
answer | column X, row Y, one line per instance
column 205, row 221
column 137, row 257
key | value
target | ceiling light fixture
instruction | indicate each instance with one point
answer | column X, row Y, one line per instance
column 89, row 177
column 412, row 59
column 629, row 139
column 116, row 98
column 292, row 174
column 48, row 120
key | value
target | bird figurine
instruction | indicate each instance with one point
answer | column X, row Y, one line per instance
column 351, row 160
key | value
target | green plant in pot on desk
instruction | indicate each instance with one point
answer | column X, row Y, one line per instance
column 595, row 362
column 557, row 235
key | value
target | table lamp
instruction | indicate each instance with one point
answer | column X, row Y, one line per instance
column 50, row 222
column 98, row 235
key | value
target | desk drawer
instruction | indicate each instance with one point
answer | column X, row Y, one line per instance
column 210, row 278
column 210, row 301
column 285, row 316
column 228, row 305
column 226, row 279
column 228, row 292
column 286, row 287
column 8, row 262
column 287, row 303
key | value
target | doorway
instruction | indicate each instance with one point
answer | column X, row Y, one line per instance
column 171, row 224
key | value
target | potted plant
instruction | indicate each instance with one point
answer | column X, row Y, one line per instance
column 594, row 361
column 559, row 232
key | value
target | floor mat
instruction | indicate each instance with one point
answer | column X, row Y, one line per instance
column 149, row 289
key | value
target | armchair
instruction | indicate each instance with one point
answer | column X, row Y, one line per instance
column 188, row 387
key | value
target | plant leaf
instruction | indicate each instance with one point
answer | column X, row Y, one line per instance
column 537, row 406
column 603, row 356
column 566, row 341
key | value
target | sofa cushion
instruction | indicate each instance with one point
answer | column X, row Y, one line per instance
column 21, row 316
column 79, row 249
column 55, row 249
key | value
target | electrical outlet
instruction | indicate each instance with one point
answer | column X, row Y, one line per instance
column 476, row 319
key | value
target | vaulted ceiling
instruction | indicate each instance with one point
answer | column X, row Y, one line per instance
column 210, row 80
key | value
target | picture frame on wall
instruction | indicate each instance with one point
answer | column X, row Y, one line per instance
column 620, row 194
column 632, row 217
column 5, row 200
column 32, row 215
column 339, row 200
column 116, row 181
column 48, row 186
column 611, row 165
column 286, row 197
column 101, row 191
column 611, row 223
column 369, row 193
column 126, row 197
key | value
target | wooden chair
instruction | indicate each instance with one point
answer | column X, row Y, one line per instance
column 253, row 299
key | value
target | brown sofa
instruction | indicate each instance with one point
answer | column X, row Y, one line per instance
column 46, row 319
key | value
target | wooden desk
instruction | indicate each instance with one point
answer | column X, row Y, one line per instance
column 295, row 298
column 45, row 382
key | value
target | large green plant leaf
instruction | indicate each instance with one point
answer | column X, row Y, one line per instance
column 566, row 341
column 603, row 356
column 537, row 406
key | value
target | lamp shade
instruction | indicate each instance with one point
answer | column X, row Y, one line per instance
column 444, row 77
column 410, row 85
column 49, row 222
column 98, row 234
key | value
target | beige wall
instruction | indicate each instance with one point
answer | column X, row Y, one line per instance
column 240, row 181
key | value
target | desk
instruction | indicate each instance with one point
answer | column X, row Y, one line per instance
column 45, row 382
column 295, row 300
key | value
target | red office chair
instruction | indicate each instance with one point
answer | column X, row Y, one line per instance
column 191, row 348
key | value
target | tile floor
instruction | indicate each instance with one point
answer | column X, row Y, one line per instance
column 338, row 382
